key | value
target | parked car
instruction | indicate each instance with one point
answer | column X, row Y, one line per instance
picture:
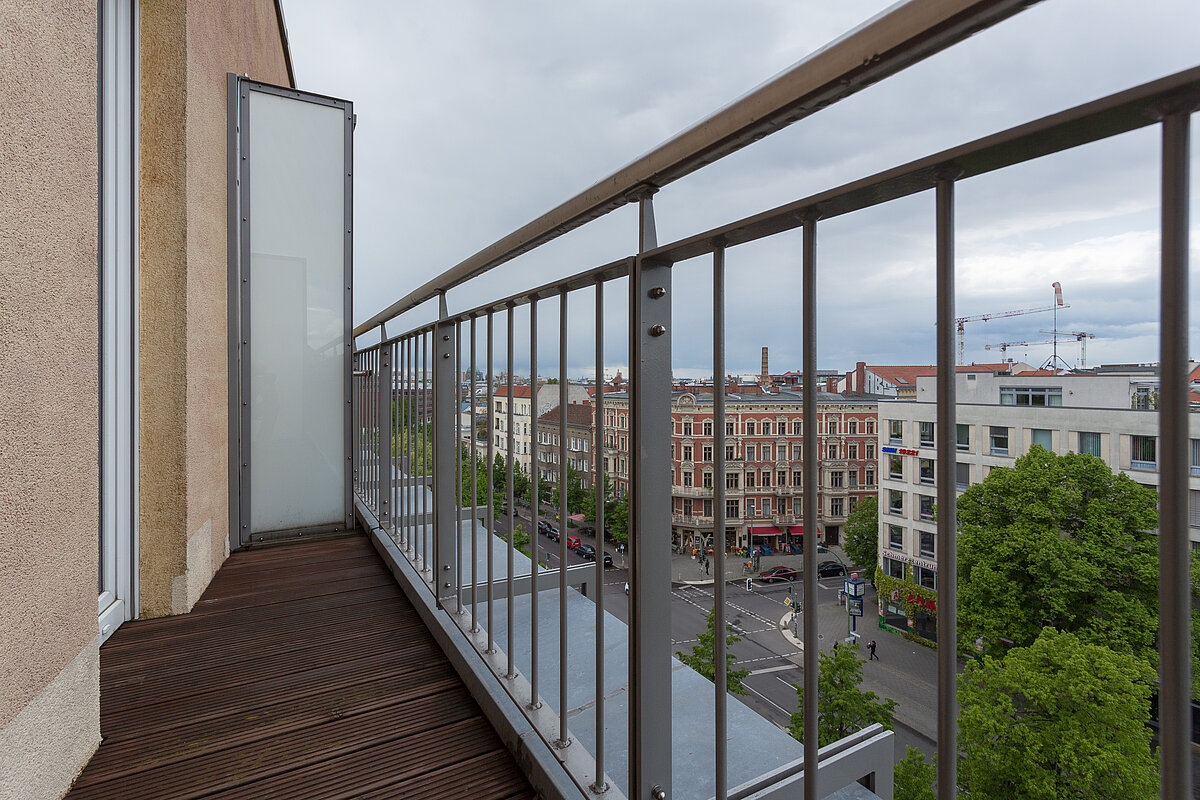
column 552, row 534
column 828, row 569
column 607, row 561
column 780, row 573
column 586, row 551
column 545, row 528
column 573, row 542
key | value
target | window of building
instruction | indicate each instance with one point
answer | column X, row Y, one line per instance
column 925, row 577
column 896, row 467
column 1144, row 398
column 729, row 452
column 896, row 431
column 870, row 455
column 1042, row 437
column 687, row 429
column 853, row 426
column 1196, row 456
column 731, row 509
column 1030, row 396
column 732, row 479
column 870, row 477
column 797, row 453
column 895, row 537
column 687, row 452
column 766, row 428
column 1194, row 509
column 852, row 452
column 708, row 427
column 925, row 434
column 852, row 478
column 750, row 479
column 766, row 506
column 835, row 479
column 706, row 452
column 1089, row 443
column 962, row 475
column 926, row 471
column 836, row 507
column 796, row 427
column 894, row 568
column 706, row 479
column 926, row 507
column 766, row 477
column 964, row 437
column 1144, row 452
column 750, row 507
column 687, row 477
column 853, row 503
column 832, row 426
column 729, row 429
column 708, row 508
column 926, row 544
column 750, row 427
column 896, row 502
column 833, row 451
column 797, row 477
column 751, row 452
column 781, row 478
column 870, row 426
column 766, row 452
column 999, row 440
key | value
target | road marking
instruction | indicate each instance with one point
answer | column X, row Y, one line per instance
column 769, row 700
column 788, row 684
column 765, row 670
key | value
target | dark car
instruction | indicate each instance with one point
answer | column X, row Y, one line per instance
column 545, row 528
column 586, row 551
column 780, row 573
column 607, row 561
column 552, row 534
column 828, row 569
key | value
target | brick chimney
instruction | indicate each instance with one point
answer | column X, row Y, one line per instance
column 860, row 376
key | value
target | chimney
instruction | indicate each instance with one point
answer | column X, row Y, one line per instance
column 860, row 376
column 766, row 375
column 831, row 385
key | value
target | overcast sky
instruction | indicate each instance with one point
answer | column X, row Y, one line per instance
column 475, row 117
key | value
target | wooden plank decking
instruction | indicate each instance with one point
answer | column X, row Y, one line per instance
column 303, row 672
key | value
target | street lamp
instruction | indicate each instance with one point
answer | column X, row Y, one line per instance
column 856, row 587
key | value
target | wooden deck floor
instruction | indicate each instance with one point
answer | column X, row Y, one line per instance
column 303, row 672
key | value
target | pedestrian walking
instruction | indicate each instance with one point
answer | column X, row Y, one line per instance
column 707, row 567
column 871, row 650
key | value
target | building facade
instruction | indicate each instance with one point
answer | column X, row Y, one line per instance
column 581, row 435
column 764, row 461
column 522, row 416
column 999, row 418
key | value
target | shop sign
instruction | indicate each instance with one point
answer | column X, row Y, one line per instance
column 900, row 451
column 921, row 602
column 916, row 562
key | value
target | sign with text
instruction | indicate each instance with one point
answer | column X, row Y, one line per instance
column 855, row 606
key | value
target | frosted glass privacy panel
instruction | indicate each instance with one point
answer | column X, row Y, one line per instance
column 297, row 314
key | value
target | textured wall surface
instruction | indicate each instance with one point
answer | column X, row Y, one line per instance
column 49, row 432
column 184, row 461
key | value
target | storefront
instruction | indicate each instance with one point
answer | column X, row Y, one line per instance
column 906, row 605
column 767, row 536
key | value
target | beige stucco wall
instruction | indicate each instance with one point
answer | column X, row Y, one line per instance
column 49, row 478
column 184, row 339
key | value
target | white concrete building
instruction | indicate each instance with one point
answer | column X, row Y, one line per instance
column 547, row 398
column 1108, row 413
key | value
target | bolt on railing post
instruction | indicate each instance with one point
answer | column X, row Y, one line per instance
column 445, row 482
column 386, row 495
column 650, row 513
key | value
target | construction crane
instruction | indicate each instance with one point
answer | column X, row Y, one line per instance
column 1081, row 337
column 961, row 321
column 1003, row 346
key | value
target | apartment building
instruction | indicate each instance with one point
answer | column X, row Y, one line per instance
column 523, row 406
column 581, row 433
column 1109, row 413
column 900, row 381
column 764, row 460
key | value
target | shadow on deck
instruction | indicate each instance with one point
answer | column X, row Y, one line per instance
column 302, row 672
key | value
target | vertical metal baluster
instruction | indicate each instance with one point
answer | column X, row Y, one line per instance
column 811, row 445
column 947, row 544
column 534, row 501
column 509, row 604
column 491, row 514
column 598, row 486
column 426, row 455
column 413, row 529
column 458, row 464
column 375, row 428
column 385, row 435
column 722, row 725
column 563, row 740
column 405, row 435
column 393, row 443
column 474, row 495
column 649, row 515
column 1174, row 558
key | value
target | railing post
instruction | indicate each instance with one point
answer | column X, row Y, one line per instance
column 650, row 514
column 386, row 462
column 445, row 483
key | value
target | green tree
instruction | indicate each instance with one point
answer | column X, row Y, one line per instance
column 589, row 509
column 914, row 776
column 842, row 708
column 617, row 522
column 862, row 534
column 703, row 657
column 1058, row 541
column 1060, row 718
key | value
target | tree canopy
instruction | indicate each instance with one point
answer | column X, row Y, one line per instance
column 703, row 656
column 914, row 776
column 862, row 534
column 1060, row 718
column 1058, row 541
column 842, row 708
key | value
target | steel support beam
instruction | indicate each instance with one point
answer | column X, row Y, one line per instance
column 445, row 482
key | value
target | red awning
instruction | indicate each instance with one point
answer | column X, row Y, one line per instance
column 765, row 530
column 576, row 518
column 796, row 529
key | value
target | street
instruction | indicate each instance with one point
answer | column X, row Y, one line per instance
column 905, row 672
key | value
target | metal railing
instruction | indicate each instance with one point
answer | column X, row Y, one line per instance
column 410, row 475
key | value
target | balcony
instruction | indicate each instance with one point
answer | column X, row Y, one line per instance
column 691, row 491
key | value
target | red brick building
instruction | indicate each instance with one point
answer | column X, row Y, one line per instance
column 764, row 461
